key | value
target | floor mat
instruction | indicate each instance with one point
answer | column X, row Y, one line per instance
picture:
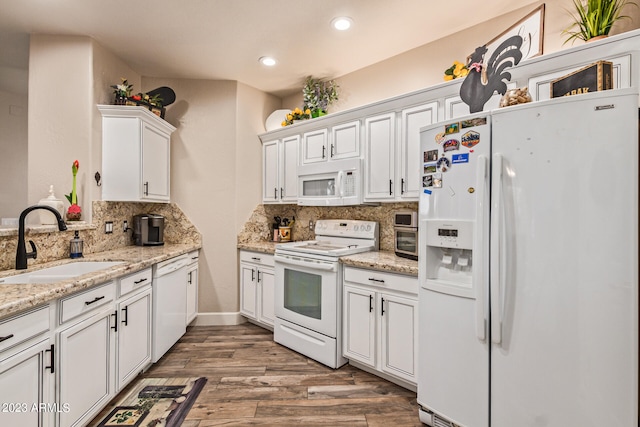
column 156, row 402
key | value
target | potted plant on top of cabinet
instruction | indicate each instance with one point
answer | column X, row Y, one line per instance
column 318, row 95
column 594, row 18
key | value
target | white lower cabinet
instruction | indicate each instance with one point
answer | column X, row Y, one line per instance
column 134, row 336
column 257, row 287
column 380, row 322
column 26, row 374
column 192, row 286
column 86, row 354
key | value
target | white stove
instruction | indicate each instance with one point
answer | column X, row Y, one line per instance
column 336, row 238
column 308, row 287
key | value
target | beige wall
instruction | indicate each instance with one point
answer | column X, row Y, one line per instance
column 216, row 173
column 13, row 154
column 60, row 106
column 424, row 66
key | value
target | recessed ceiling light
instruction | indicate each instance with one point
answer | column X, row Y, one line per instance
column 342, row 23
column 267, row 60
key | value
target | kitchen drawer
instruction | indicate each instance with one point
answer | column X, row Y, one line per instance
column 257, row 258
column 391, row 281
column 135, row 281
column 21, row 328
column 193, row 256
column 87, row 301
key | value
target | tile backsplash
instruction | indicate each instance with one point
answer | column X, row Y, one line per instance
column 259, row 227
column 54, row 245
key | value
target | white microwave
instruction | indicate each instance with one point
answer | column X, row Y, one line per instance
column 330, row 183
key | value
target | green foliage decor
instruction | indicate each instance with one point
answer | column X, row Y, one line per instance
column 318, row 95
column 595, row 18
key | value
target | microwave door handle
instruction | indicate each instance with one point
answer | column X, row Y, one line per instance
column 340, row 185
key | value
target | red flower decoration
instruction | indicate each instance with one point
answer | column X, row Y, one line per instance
column 74, row 209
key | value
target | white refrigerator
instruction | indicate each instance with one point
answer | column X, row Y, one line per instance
column 528, row 265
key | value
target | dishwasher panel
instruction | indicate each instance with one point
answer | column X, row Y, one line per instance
column 169, row 304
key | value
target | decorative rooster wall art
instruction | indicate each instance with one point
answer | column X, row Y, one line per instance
column 483, row 80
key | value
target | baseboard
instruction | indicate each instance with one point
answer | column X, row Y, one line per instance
column 218, row 319
column 402, row 383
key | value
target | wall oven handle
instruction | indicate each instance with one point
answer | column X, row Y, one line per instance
column 308, row 264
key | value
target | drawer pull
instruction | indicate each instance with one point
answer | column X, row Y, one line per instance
column 96, row 299
column 140, row 281
column 6, row 338
column 376, row 280
column 255, row 258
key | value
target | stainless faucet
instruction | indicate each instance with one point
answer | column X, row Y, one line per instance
column 21, row 253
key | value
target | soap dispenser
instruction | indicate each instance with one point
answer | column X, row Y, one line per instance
column 75, row 246
column 47, row 218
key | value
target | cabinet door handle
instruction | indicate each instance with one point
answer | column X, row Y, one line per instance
column 115, row 324
column 331, row 150
column 189, row 281
column 258, row 276
column 275, row 193
column 126, row 316
column 253, row 274
column 376, row 280
column 402, row 186
column 370, row 303
column 390, row 187
column 96, row 299
column 146, row 188
column 382, row 307
column 6, row 338
column 52, row 359
column 281, row 191
column 323, row 150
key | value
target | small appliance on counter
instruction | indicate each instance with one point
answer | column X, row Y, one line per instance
column 405, row 234
column 148, row 230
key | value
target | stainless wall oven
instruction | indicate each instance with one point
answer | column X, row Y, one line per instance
column 406, row 234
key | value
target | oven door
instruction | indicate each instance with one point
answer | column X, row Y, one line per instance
column 306, row 292
column 406, row 241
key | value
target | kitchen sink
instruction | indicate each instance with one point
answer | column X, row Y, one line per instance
column 60, row 272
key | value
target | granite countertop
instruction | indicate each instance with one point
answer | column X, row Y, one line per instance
column 18, row 297
column 383, row 261
column 375, row 260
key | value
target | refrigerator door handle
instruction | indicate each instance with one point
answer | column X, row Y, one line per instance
column 497, row 251
column 479, row 248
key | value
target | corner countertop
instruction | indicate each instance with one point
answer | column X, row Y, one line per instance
column 18, row 297
column 375, row 260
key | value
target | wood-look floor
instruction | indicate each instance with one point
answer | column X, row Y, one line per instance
column 253, row 381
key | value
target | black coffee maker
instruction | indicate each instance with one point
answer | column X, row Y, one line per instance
column 148, row 230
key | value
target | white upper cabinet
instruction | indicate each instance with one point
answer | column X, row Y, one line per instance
column 135, row 154
column 314, row 146
column 280, row 170
column 380, row 147
column 340, row 142
column 412, row 119
column 345, row 141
